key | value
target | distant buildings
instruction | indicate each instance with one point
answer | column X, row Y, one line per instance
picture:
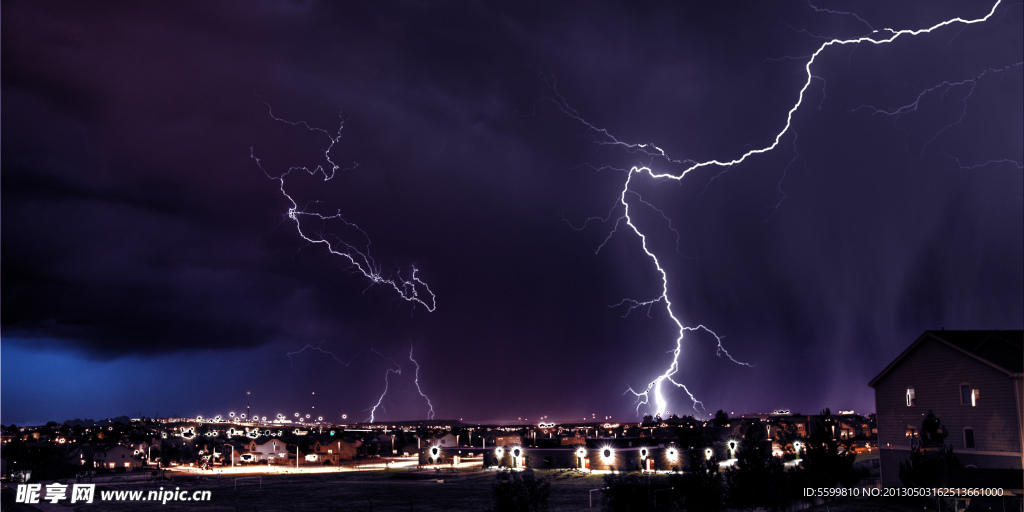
column 961, row 389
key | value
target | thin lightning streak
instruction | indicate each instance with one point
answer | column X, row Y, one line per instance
column 380, row 401
column 785, row 171
column 430, row 414
column 410, row 289
column 316, row 348
column 604, row 137
column 897, row 113
column 986, row 163
column 843, row 13
column 671, row 228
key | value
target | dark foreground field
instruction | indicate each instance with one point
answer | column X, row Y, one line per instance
column 347, row 492
column 379, row 492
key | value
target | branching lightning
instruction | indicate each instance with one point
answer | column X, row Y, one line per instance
column 843, row 13
column 603, row 136
column 943, row 88
column 410, row 288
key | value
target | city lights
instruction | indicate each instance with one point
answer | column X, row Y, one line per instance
column 672, row 455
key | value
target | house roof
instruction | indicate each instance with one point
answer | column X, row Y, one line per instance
column 1001, row 350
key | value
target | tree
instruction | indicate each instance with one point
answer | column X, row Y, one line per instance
column 928, row 468
column 699, row 491
column 933, row 432
column 721, row 418
column 826, row 464
column 758, row 478
column 520, row 492
column 630, row 493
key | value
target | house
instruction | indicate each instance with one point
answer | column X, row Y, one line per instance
column 513, row 440
column 231, row 453
column 117, row 458
column 960, row 389
column 331, row 451
column 445, row 441
column 273, row 451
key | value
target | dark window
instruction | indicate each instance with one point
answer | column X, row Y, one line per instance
column 968, row 437
column 965, row 394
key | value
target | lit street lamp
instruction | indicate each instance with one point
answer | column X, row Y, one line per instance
column 232, row 456
column 296, row 454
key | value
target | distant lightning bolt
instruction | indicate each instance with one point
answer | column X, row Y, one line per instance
column 316, row 348
column 411, row 289
column 397, row 370
column 430, row 415
column 604, row 137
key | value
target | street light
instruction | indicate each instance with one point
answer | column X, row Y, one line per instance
column 232, row 456
column 672, row 455
column 296, row 454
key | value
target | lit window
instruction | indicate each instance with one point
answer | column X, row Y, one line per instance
column 911, row 397
column 968, row 437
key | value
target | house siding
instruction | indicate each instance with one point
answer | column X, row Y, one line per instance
column 935, row 371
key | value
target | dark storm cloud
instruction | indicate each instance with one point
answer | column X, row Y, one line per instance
column 134, row 221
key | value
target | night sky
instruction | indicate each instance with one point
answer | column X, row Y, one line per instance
column 149, row 265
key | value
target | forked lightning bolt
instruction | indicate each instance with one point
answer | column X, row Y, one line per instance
column 357, row 253
column 654, row 390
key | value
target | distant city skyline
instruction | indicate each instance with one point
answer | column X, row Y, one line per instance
column 164, row 252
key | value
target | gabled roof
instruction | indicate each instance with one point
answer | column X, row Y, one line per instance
column 1001, row 350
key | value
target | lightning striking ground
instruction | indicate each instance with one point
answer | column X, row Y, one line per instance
column 430, row 414
column 654, row 390
column 356, row 253
column 397, row 370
